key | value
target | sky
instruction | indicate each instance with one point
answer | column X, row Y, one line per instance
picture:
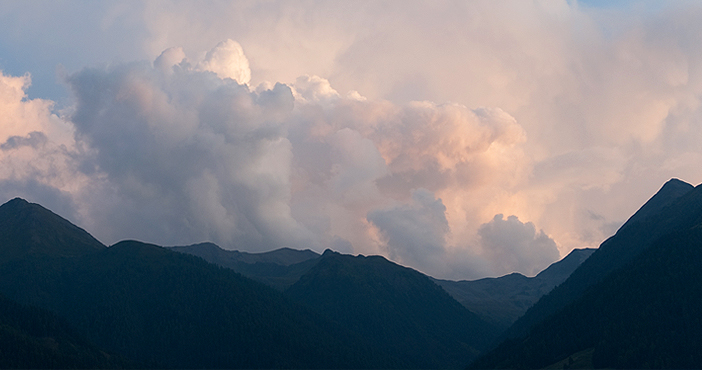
column 464, row 139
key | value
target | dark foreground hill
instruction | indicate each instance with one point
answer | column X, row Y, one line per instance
column 675, row 206
column 397, row 309
column 31, row 337
column 643, row 312
column 159, row 308
column 504, row 299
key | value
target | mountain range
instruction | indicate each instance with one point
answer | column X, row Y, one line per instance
column 159, row 308
column 499, row 301
column 67, row 300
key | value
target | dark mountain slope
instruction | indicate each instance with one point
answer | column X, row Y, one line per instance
column 399, row 310
column 166, row 309
column 559, row 271
column 28, row 229
column 671, row 190
column 502, row 300
column 31, row 337
column 645, row 315
column 279, row 268
column 671, row 212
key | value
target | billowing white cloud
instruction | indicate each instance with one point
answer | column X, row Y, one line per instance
column 188, row 155
column 227, row 60
column 565, row 115
column 358, row 165
column 172, row 154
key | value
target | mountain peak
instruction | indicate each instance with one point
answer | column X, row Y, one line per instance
column 29, row 229
column 328, row 252
column 668, row 193
column 17, row 200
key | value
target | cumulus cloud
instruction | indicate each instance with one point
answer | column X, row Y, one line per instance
column 191, row 156
column 516, row 246
column 36, row 149
column 549, row 111
column 173, row 154
column 363, row 161
column 169, row 58
column 415, row 233
column 227, row 60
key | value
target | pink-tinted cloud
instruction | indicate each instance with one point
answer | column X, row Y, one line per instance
column 563, row 115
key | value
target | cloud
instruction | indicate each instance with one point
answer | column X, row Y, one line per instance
column 190, row 156
column 34, row 139
column 549, row 111
column 314, row 89
column 415, row 232
column 170, row 153
column 515, row 246
column 169, row 58
column 227, row 60
column 36, row 148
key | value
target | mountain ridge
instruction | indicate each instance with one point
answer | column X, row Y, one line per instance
column 503, row 299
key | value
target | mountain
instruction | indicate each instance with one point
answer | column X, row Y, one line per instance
column 504, row 299
column 645, row 315
column 497, row 300
column 397, row 309
column 31, row 230
column 160, row 308
column 212, row 253
column 668, row 210
column 642, row 313
column 671, row 191
column 279, row 268
column 31, row 337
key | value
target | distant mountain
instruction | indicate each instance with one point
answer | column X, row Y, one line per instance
column 212, row 253
column 160, row 308
column 644, row 311
column 504, row 299
column 397, row 309
column 668, row 210
column 279, row 268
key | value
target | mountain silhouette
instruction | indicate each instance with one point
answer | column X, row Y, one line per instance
column 29, row 229
column 644, row 311
column 670, row 209
column 397, row 309
column 160, row 308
